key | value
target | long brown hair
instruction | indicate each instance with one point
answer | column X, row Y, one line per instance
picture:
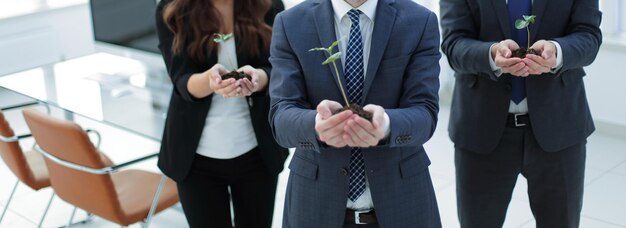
column 194, row 22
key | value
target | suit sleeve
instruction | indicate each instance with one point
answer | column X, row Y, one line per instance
column 179, row 66
column 466, row 54
column 291, row 117
column 415, row 121
column 581, row 44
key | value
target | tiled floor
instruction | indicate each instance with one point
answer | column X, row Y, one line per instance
column 604, row 203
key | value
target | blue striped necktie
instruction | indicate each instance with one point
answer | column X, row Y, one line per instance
column 354, row 84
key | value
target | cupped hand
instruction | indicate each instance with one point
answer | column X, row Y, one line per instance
column 544, row 63
column 227, row 87
column 329, row 127
column 501, row 54
column 359, row 132
column 249, row 86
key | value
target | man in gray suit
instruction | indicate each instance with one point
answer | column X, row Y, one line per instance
column 514, row 115
column 347, row 171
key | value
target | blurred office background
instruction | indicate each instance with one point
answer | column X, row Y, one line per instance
column 36, row 33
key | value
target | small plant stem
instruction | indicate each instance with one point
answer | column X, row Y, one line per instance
column 343, row 93
column 528, row 38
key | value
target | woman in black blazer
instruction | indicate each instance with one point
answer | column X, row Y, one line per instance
column 217, row 144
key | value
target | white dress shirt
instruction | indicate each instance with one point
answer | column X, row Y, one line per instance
column 228, row 131
column 522, row 107
column 342, row 29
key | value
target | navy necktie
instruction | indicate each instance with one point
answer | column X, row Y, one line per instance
column 354, row 84
column 517, row 8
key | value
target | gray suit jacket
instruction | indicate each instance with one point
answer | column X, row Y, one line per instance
column 402, row 77
column 557, row 104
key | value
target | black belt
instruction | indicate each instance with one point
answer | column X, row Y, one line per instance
column 360, row 217
column 517, row 120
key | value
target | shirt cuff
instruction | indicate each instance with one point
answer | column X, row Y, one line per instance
column 496, row 70
column 386, row 126
column 559, row 57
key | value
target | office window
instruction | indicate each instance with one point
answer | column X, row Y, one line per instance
column 621, row 18
column 614, row 19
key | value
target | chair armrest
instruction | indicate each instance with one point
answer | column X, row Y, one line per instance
column 14, row 138
column 101, row 171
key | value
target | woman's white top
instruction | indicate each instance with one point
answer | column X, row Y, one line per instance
column 228, row 131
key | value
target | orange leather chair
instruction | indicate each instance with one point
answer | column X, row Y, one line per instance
column 28, row 166
column 80, row 178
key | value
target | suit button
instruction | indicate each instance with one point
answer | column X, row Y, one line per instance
column 508, row 87
column 344, row 172
column 399, row 140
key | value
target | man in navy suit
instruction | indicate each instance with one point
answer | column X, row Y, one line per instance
column 515, row 115
column 347, row 171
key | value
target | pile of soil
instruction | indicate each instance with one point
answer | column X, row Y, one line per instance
column 522, row 52
column 236, row 75
column 357, row 109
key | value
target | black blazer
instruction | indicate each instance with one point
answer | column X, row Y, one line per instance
column 557, row 104
column 186, row 115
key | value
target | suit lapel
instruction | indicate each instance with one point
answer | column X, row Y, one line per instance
column 502, row 12
column 383, row 24
column 539, row 6
column 325, row 24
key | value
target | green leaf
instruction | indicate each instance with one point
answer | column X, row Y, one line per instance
column 221, row 38
column 530, row 19
column 520, row 24
column 332, row 58
column 317, row 49
column 333, row 45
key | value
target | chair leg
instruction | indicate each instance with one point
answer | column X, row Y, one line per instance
column 155, row 201
column 9, row 201
column 88, row 219
column 81, row 222
column 71, row 217
column 46, row 211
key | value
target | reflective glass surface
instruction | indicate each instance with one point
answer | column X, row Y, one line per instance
column 115, row 90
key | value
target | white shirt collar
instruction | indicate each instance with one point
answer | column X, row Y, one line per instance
column 341, row 8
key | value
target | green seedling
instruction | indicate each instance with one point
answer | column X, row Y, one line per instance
column 221, row 38
column 331, row 59
column 524, row 23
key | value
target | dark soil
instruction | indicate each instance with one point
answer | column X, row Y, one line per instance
column 236, row 75
column 357, row 109
column 521, row 52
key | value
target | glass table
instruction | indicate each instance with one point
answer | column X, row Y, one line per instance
column 118, row 91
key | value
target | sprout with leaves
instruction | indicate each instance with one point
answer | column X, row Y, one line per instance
column 331, row 59
column 221, row 38
column 355, row 108
column 520, row 24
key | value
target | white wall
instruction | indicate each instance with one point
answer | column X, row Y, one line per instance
column 606, row 85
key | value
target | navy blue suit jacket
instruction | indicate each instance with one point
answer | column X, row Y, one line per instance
column 402, row 76
column 557, row 105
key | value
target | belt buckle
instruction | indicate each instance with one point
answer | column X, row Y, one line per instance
column 515, row 118
column 357, row 217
